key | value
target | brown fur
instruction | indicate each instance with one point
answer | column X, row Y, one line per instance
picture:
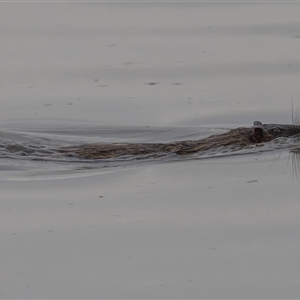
column 240, row 137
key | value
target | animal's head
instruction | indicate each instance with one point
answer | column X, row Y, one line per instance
column 267, row 132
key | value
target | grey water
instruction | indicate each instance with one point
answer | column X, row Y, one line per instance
column 221, row 224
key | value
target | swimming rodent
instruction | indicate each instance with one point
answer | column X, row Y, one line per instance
column 240, row 138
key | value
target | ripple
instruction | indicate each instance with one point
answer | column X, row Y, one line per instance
column 32, row 153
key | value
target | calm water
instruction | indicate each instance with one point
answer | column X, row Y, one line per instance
column 163, row 227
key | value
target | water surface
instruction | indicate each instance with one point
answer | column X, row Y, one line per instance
column 220, row 225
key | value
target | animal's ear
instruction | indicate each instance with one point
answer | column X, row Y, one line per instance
column 257, row 123
column 258, row 134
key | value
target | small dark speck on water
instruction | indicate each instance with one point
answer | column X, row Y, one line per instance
column 251, row 181
column 152, row 83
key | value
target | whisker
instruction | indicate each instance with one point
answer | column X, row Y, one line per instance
column 295, row 114
column 296, row 164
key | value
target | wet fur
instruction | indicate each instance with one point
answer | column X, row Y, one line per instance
column 240, row 137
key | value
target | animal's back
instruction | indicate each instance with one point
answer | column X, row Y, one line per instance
column 239, row 137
